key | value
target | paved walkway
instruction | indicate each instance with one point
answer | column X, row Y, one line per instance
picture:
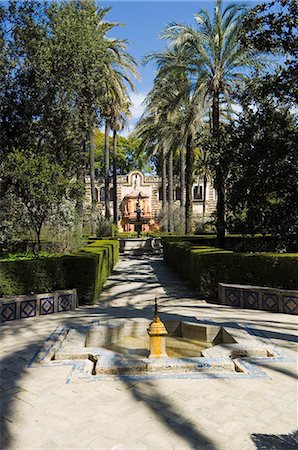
column 40, row 411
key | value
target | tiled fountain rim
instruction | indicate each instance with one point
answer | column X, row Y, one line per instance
column 80, row 370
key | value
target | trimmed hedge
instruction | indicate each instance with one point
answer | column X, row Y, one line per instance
column 86, row 271
column 235, row 242
column 205, row 267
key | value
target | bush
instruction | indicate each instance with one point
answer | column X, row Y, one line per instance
column 237, row 242
column 106, row 228
column 205, row 267
column 86, row 271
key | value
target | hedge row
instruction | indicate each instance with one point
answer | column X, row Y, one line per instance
column 86, row 271
column 236, row 242
column 205, row 267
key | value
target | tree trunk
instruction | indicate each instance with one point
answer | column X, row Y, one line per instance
column 220, row 181
column 115, row 207
column 107, row 170
column 92, row 182
column 171, row 188
column 189, row 183
column 220, row 207
column 81, row 179
column 182, row 181
column 164, row 190
column 38, row 233
column 204, row 195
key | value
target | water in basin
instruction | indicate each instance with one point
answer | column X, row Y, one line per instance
column 176, row 347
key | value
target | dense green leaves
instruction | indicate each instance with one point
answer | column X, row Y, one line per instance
column 39, row 186
column 61, row 75
column 129, row 155
column 263, row 187
column 276, row 30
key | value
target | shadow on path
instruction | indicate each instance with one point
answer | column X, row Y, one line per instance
column 276, row 442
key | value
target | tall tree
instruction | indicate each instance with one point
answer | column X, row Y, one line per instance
column 272, row 27
column 177, row 114
column 120, row 113
column 215, row 59
column 263, row 190
column 95, row 77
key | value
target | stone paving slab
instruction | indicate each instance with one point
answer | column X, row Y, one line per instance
column 40, row 411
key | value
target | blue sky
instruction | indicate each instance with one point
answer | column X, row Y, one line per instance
column 144, row 22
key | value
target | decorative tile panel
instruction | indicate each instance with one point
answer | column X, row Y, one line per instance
column 46, row 305
column 270, row 302
column 232, row 297
column 8, row 312
column 64, row 302
column 259, row 297
column 290, row 303
column 250, row 299
column 28, row 309
column 35, row 305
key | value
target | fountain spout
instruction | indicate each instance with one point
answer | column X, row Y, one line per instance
column 157, row 332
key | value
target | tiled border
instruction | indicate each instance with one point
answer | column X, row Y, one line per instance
column 8, row 311
column 29, row 306
column 47, row 305
column 28, row 309
column 64, row 302
column 258, row 297
column 80, row 369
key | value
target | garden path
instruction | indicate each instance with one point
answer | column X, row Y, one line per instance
column 40, row 411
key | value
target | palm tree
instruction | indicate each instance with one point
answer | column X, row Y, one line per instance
column 118, row 68
column 120, row 114
column 149, row 130
column 215, row 61
column 183, row 120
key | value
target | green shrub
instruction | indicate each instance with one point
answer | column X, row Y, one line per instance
column 86, row 271
column 106, row 228
column 127, row 234
column 205, row 267
column 236, row 242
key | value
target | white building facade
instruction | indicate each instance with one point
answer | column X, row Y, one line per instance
column 147, row 189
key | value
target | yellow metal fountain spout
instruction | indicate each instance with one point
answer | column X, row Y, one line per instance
column 157, row 332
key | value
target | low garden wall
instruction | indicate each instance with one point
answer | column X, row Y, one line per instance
column 27, row 306
column 85, row 271
column 257, row 297
column 205, row 267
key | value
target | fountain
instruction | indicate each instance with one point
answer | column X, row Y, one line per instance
column 138, row 347
column 157, row 332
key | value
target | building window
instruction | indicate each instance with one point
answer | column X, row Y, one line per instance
column 111, row 194
column 96, row 194
column 198, row 193
column 160, row 194
column 102, row 194
column 178, row 193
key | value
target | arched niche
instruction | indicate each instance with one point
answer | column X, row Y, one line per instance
column 136, row 178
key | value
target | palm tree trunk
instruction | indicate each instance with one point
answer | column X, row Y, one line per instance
column 182, row 181
column 164, row 189
column 107, row 169
column 189, row 183
column 204, row 195
column 92, row 180
column 171, row 188
column 219, row 177
column 115, row 212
